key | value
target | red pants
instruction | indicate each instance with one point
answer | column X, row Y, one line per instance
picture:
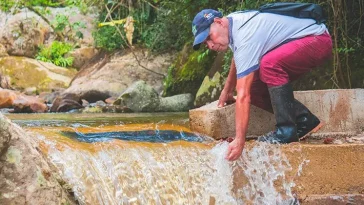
column 286, row 63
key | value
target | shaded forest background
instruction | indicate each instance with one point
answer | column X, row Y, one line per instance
column 165, row 25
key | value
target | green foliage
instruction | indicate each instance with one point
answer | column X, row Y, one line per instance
column 226, row 63
column 62, row 25
column 203, row 55
column 108, row 38
column 55, row 54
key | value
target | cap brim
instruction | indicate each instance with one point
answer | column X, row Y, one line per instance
column 200, row 38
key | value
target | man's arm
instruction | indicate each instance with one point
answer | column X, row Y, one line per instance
column 226, row 95
column 242, row 111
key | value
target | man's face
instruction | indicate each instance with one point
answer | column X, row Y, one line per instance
column 218, row 39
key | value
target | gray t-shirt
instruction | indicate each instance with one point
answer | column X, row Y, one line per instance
column 261, row 34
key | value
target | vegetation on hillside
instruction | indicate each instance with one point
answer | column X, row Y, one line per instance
column 166, row 25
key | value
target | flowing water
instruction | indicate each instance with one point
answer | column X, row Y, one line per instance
column 133, row 159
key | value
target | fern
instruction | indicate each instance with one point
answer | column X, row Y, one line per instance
column 55, row 54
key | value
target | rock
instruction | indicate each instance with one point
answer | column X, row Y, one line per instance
column 5, row 82
column 176, row 103
column 210, row 90
column 96, row 109
column 116, row 109
column 110, row 100
column 26, row 72
column 48, row 97
column 29, row 104
column 110, row 79
column 76, row 16
column 100, row 103
column 187, row 72
column 85, row 103
column 68, row 105
column 25, row 176
column 66, row 102
column 7, row 98
column 139, row 97
column 82, row 56
column 30, row 91
column 22, row 33
column 3, row 52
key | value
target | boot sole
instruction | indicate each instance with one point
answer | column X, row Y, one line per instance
column 313, row 130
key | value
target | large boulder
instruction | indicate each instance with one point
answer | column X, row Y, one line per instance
column 3, row 51
column 210, row 90
column 29, row 104
column 23, row 32
column 187, row 72
column 7, row 98
column 81, row 56
column 112, row 75
column 176, row 103
column 21, row 103
column 75, row 16
column 141, row 97
column 25, row 176
column 25, row 72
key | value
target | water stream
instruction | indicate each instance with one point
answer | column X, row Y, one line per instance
column 158, row 162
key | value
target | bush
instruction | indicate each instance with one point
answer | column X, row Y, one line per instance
column 55, row 54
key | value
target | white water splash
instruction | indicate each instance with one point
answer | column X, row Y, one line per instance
column 175, row 175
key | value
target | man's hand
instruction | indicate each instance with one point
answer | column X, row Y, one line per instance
column 235, row 149
column 225, row 97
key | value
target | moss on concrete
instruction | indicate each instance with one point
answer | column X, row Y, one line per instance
column 188, row 71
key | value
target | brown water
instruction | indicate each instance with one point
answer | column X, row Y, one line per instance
column 132, row 159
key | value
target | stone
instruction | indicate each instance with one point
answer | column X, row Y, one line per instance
column 139, row 97
column 176, row 103
column 22, row 33
column 7, row 98
column 66, row 102
column 26, row 72
column 29, row 104
column 112, row 75
column 30, row 91
column 210, row 90
column 96, row 109
column 5, row 82
column 3, row 52
column 81, row 56
column 25, row 176
column 48, row 97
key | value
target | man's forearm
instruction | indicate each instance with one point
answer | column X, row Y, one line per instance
column 242, row 109
column 242, row 112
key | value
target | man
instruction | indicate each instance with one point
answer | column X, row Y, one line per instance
column 270, row 51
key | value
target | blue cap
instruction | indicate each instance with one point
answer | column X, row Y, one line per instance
column 201, row 25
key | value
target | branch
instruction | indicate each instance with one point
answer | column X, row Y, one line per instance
column 132, row 49
column 59, row 35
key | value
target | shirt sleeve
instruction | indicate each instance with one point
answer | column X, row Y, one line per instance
column 247, row 57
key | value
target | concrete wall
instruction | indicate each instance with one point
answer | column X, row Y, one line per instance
column 340, row 110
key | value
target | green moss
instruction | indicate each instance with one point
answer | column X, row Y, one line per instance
column 188, row 71
column 41, row 180
column 210, row 90
column 13, row 155
column 25, row 74
column 92, row 110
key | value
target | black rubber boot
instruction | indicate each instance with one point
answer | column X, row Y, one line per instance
column 283, row 104
column 305, row 120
